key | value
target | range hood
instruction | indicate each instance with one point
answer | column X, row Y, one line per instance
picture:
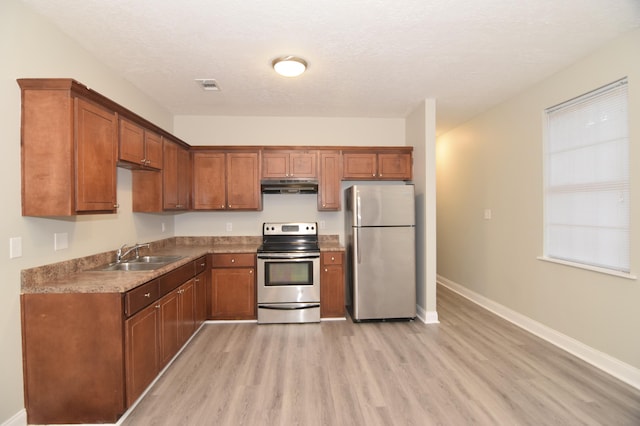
column 289, row 186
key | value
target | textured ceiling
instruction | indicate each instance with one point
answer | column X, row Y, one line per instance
column 366, row 58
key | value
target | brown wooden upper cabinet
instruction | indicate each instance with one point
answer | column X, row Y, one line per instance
column 226, row 180
column 69, row 149
column 329, row 190
column 393, row 164
column 289, row 164
column 139, row 147
column 176, row 176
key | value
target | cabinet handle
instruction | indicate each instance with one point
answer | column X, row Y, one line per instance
column 157, row 306
column 233, row 261
column 116, row 206
column 143, row 161
column 326, row 270
column 251, row 271
column 333, row 258
column 202, row 264
column 147, row 295
column 222, row 206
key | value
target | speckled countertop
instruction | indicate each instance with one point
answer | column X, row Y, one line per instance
column 76, row 276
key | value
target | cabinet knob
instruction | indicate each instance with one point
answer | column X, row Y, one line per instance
column 233, row 261
column 116, row 206
column 326, row 269
column 222, row 206
column 157, row 306
column 251, row 271
column 333, row 258
column 147, row 295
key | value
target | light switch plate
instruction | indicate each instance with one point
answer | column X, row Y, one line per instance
column 15, row 247
column 487, row 213
column 60, row 241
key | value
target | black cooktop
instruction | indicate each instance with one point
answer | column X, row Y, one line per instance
column 289, row 237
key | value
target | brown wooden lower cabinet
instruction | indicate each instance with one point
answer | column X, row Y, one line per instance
column 89, row 356
column 143, row 351
column 332, row 285
column 233, row 286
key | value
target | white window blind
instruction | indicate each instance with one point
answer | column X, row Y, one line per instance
column 586, row 205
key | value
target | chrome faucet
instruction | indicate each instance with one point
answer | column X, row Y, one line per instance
column 120, row 255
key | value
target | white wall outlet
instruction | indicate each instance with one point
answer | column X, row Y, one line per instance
column 229, row 226
column 60, row 241
column 487, row 214
column 15, row 247
column 322, row 224
column 163, row 227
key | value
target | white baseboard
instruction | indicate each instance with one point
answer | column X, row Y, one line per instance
column 427, row 317
column 613, row 366
column 19, row 419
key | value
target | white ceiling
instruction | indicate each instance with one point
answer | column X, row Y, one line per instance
column 367, row 58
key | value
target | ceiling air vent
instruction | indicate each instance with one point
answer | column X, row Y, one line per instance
column 208, row 84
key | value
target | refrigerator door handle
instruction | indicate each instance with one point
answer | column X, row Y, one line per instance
column 358, row 216
column 356, row 246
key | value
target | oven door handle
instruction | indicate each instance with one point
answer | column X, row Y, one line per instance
column 291, row 307
column 286, row 256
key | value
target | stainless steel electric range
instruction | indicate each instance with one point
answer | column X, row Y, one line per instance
column 289, row 273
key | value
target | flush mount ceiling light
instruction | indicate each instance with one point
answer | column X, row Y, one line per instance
column 289, row 66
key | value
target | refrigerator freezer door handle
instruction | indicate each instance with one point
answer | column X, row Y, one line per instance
column 358, row 217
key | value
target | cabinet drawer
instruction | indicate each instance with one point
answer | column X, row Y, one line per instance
column 332, row 258
column 173, row 279
column 201, row 264
column 233, row 260
column 141, row 296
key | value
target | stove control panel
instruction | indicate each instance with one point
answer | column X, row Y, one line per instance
column 290, row 228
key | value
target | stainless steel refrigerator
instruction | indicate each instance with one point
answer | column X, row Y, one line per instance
column 380, row 239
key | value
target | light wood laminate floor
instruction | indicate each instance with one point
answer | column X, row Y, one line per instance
column 472, row 368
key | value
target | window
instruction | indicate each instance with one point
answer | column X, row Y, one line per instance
column 586, row 197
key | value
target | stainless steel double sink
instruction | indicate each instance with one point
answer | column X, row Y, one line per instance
column 142, row 263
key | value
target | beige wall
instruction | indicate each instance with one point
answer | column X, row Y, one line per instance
column 31, row 47
column 495, row 162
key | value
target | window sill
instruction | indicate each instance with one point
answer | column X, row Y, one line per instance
column 590, row 268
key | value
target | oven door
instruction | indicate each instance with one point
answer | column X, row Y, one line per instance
column 288, row 277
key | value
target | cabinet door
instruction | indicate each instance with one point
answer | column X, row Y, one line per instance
column 201, row 298
column 96, row 152
column 209, row 181
column 233, row 293
column 395, row 166
column 170, row 176
column 184, row 178
column 243, row 181
column 303, row 164
column 175, row 176
column 142, row 351
column 131, row 143
column 169, row 326
column 187, row 293
column 332, row 285
column 359, row 166
column 275, row 164
column 329, row 191
column 152, row 150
